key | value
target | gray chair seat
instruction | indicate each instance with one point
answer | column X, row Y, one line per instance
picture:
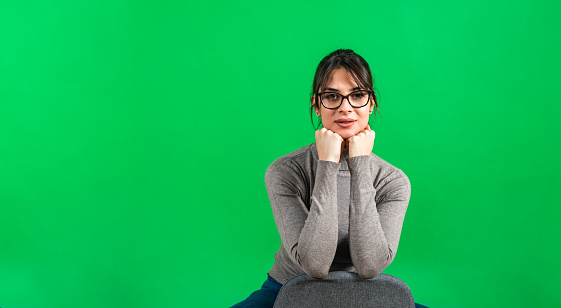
column 344, row 289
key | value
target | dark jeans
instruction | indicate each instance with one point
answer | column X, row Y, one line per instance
column 266, row 296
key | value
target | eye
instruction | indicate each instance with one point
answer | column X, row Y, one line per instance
column 332, row 96
column 359, row 94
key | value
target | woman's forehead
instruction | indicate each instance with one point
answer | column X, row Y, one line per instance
column 341, row 79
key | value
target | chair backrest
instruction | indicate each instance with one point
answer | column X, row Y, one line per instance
column 345, row 289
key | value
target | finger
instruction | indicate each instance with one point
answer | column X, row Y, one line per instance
column 368, row 127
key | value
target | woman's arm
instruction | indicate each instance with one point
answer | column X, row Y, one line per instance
column 375, row 229
column 310, row 237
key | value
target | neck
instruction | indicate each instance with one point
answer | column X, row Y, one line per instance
column 343, row 147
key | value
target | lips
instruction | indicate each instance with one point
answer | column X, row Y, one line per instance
column 345, row 122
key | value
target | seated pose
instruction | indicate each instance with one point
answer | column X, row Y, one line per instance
column 337, row 206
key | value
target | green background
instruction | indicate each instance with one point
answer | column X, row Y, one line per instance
column 134, row 138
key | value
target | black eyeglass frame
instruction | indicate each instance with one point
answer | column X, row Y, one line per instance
column 345, row 96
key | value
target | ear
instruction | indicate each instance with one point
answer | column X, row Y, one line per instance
column 312, row 100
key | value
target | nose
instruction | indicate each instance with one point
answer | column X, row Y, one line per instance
column 345, row 106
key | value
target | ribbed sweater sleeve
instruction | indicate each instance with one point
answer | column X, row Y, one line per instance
column 375, row 229
column 308, row 235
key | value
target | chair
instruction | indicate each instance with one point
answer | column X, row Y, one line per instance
column 344, row 289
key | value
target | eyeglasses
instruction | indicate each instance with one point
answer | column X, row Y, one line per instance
column 357, row 99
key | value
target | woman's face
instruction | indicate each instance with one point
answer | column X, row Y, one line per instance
column 346, row 120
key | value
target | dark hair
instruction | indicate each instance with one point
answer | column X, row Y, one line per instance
column 354, row 64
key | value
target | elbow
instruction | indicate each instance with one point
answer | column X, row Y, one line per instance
column 315, row 269
column 370, row 270
column 317, row 273
column 316, row 265
column 368, row 273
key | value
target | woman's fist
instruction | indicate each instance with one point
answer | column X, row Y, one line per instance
column 361, row 143
column 329, row 145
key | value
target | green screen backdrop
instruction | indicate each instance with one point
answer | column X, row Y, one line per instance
column 134, row 138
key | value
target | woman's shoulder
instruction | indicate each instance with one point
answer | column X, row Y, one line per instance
column 302, row 155
column 386, row 173
column 301, row 160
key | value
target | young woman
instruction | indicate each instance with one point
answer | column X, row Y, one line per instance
column 337, row 206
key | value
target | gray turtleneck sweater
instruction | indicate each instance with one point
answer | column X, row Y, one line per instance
column 344, row 216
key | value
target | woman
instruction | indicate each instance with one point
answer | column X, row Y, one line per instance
column 337, row 206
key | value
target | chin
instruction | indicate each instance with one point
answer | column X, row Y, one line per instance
column 346, row 134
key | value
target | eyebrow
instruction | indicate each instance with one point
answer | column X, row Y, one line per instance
column 335, row 90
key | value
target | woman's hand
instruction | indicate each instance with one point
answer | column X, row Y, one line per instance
column 361, row 143
column 329, row 145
